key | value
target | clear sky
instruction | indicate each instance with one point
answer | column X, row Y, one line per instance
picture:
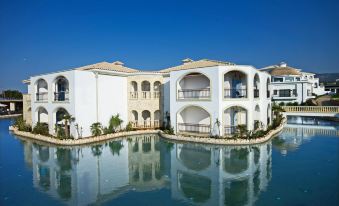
column 44, row 36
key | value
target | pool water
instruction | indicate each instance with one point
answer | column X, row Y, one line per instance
column 299, row 167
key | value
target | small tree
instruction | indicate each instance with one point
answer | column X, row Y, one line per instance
column 68, row 119
column 242, row 130
column 96, row 129
column 115, row 122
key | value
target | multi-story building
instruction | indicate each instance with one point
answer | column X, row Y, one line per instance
column 205, row 97
column 291, row 85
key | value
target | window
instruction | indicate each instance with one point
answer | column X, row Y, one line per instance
column 275, row 92
column 297, row 79
column 295, row 92
column 309, row 93
column 289, row 79
column 315, row 85
column 284, row 93
column 275, row 79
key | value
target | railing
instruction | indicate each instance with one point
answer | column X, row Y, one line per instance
column 312, row 109
column 194, row 94
column 61, row 96
column 133, row 95
column 229, row 130
column 42, row 96
column 145, row 124
column 145, row 94
column 256, row 93
column 194, row 128
column 235, row 93
column 156, row 95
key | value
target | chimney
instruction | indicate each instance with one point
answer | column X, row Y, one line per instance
column 187, row 60
column 118, row 63
column 283, row 64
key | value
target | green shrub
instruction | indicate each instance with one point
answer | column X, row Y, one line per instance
column 20, row 123
column 41, row 128
column 170, row 131
column 282, row 104
column 60, row 131
column 129, row 127
column 96, row 129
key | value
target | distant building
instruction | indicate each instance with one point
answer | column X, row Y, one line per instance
column 332, row 86
column 291, row 85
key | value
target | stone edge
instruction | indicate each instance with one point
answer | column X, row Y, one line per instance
column 102, row 138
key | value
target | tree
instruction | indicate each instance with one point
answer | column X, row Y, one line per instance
column 11, row 94
column 96, row 129
column 68, row 119
column 115, row 122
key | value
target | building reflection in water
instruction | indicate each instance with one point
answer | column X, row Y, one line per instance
column 197, row 174
column 299, row 130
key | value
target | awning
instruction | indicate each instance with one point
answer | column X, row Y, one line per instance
column 3, row 105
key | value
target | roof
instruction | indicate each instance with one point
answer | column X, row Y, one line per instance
column 115, row 66
column 282, row 70
column 190, row 64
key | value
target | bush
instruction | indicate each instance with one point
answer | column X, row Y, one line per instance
column 282, row 104
column 60, row 132
column 129, row 127
column 169, row 131
column 41, row 128
column 96, row 129
column 20, row 123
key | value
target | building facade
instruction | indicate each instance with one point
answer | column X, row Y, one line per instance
column 203, row 97
column 291, row 85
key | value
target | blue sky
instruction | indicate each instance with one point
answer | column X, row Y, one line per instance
column 44, row 36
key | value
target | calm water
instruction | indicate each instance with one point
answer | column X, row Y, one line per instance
column 300, row 167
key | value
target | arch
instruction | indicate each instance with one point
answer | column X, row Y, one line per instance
column 157, row 86
column 195, row 187
column 268, row 93
column 194, row 119
column 41, row 115
column 234, row 116
column 256, row 86
column 235, row 84
column 190, row 154
column 61, row 89
column 59, row 114
column 236, row 161
column 134, row 86
column 146, row 116
column 157, row 118
column 41, row 89
column 145, row 86
column 256, row 117
column 236, row 193
column 44, row 177
column 43, row 153
column 194, row 85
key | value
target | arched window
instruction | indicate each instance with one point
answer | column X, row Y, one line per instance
column 157, row 89
column 146, row 116
column 194, row 86
column 134, row 90
column 145, row 90
column 194, row 119
column 157, row 118
column 256, row 86
column 235, row 85
column 233, row 117
column 41, row 90
column 268, row 88
column 61, row 90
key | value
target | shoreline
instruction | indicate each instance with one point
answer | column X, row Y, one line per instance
column 121, row 135
column 8, row 116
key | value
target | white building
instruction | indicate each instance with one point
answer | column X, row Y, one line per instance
column 205, row 96
column 292, row 85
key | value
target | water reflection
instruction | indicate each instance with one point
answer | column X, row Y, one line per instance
column 299, row 130
column 194, row 173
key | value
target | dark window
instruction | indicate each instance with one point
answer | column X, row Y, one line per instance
column 294, row 92
column 275, row 92
column 284, row 93
column 275, row 79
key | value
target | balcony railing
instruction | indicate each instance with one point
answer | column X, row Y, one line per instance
column 145, row 95
column 145, row 124
column 235, row 93
column 194, row 128
column 61, row 96
column 256, row 93
column 194, row 94
column 133, row 95
column 230, row 130
column 156, row 95
column 42, row 96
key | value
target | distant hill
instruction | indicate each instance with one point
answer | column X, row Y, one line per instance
column 327, row 77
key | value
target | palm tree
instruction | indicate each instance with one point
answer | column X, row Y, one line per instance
column 96, row 129
column 68, row 119
column 115, row 122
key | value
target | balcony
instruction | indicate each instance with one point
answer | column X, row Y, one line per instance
column 61, row 96
column 42, row 97
column 194, row 94
column 235, row 93
column 145, row 124
column 230, row 130
column 194, row 128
